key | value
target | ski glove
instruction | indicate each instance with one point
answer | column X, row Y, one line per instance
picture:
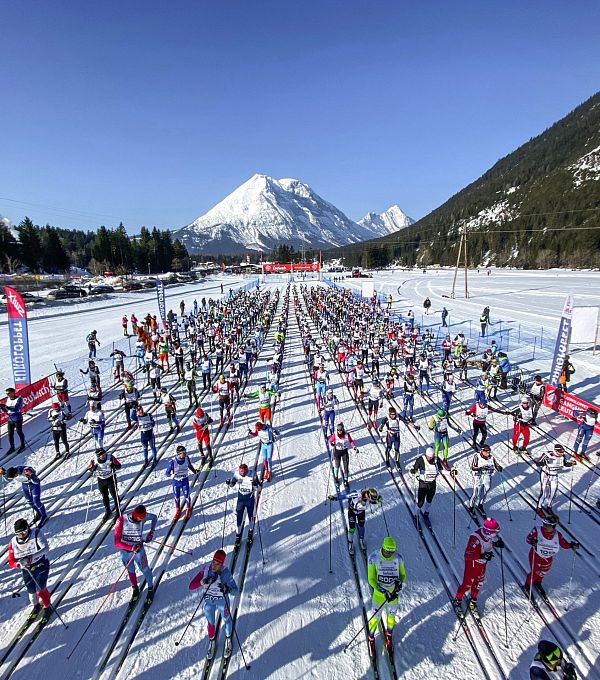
column 208, row 580
column 149, row 536
column 499, row 542
column 569, row 672
column 224, row 588
column 487, row 556
column 390, row 595
column 575, row 545
column 454, row 472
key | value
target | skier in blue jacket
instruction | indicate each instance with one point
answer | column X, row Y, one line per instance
column 178, row 469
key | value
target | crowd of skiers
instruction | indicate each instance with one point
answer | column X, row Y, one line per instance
column 360, row 336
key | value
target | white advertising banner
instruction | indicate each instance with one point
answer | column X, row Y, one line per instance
column 584, row 324
column 368, row 288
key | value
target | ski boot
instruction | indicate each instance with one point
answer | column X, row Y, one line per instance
column 481, row 509
column 523, row 451
column 46, row 614
column 445, row 465
column 267, row 476
column 457, row 603
column 149, row 594
column 362, row 544
column 372, row 650
column 21, row 448
column 36, row 517
column 250, row 538
column 473, row 606
column 211, row 648
column 426, row 520
column 515, row 449
column 188, row 513
column 388, row 642
column 56, row 455
column 176, row 514
column 346, row 483
column 107, row 514
column 540, row 588
column 135, row 595
column 202, row 460
column 228, row 647
column 350, row 546
column 238, row 541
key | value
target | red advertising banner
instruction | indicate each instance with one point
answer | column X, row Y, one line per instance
column 287, row 268
column 34, row 394
column 565, row 403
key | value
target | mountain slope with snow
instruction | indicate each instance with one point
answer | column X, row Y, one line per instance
column 265, row 212
column 388, row 222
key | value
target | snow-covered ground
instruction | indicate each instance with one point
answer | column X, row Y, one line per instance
column 294, row 617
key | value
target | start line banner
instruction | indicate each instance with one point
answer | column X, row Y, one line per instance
column 33, row 395
column 565, row 403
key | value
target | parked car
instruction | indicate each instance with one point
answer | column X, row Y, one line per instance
column 28, row 298
column 100, row 289
column 76, row 290
column 66, row 293
column 132, row 285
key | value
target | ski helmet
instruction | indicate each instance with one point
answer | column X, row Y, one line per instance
column 60, row 373
column 538, row 378
column 54, row 405
column 482, row 401
column 219, row 557
column 340, row 428
column 371, row 495
column 549, row 653
column 559, row 449
column 592, row 412
column 259, row 424
column 388, row 545
column 429, row 452
column 199, row 412
column 441, row 413
column 139, row 513
column 180, row 450
column 550, row 520
column 21, row 525
column 491, row 526
column 243, row 469
column 486, row 449
column 101, row 454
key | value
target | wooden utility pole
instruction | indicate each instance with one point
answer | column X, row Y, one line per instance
column 462, row 244
column 466, row 266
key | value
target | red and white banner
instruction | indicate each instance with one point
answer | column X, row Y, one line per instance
column 565, row 403
column 287, row 268
column 34, row 394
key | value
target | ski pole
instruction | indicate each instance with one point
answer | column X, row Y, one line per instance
column 171, row 547
column 280, row 463
column 531, row 585
column 4, row 504
column 163, row 502
column 330, row 539
column 262, row 552
column 417, row 517
column 225, row 517
column 37, row 585
column 326, row 494
column 117, row 492
column 504, row 597
column 381, row 606
column 570, row 494
column 228, row 603
column 385, row 520
column 589, row 484
column 505, row 496
column 571, row 580
column 202, row 514
column 453, row 507
column 189, row 623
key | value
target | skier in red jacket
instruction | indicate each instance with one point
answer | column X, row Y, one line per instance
column 545, row 544
column 477, row 554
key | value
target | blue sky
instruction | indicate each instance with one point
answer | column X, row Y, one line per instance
column 151, row 112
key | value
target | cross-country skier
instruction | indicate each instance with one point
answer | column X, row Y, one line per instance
column 356, row 377
column 12, row 406
column 374, row 402
column 129, row 538
column 536, row 394
column 200, row 423
column 118, row 358
column 58, row 424
column 522, row 415
column 479, row 412
column 545, row 544
column 169, row 403
column 423, row 367
column 549, row 663
column 266, row 434
column 93, row 372
column 179, row 467
column 266, row 400
column 439, row 424
column 105, row 467
column 61, row 387
column 321, row 381
column 483, row 465
column 478, row 552
column 221, row 388
column 245, row 481
column 386, row 574
column 94, row 419
column 391, row 423
column 426, row 468
column 146, row 425
column 410, row 388
column 189, row 376
column 588, row 420
column 328, row 412
column 219, row 583
column 31, row 487
column 130, row 396
column 448, row 390
column 27, row 551
column 341, row 441
column 357, row 506
column 550, row 463
column 92, row 343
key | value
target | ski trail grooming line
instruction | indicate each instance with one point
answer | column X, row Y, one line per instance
column 135, row 485
column 118, row 649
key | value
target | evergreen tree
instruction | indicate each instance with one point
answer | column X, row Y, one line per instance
column 54, row 256
column 30, row 249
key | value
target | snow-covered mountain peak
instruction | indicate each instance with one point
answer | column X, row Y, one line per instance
column 388, row 222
